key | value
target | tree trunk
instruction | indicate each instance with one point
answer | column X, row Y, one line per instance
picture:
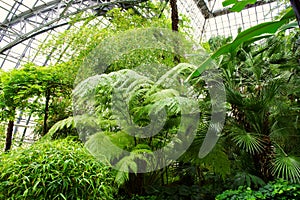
column 175, row 21
column 264, row 160
column 9, row 134
column 24, row 131
column 46, row 111
column 174, row 15
column 296, row 7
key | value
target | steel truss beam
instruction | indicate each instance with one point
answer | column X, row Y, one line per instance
column 17, row 28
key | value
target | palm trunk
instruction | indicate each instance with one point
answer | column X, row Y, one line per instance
column 267, row 158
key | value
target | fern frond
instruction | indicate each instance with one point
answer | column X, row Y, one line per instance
column 65, row 123
column 163, row 94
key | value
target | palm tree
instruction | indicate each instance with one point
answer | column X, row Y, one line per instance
column 259, row 82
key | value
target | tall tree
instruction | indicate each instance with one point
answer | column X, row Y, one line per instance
column 17, row 86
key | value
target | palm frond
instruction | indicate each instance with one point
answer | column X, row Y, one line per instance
column 286, row 167
column 250, row 142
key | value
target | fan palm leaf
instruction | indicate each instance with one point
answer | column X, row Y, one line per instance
column 250, row 142
column 286, row 167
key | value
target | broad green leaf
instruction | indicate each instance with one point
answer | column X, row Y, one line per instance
column 238, row 5
column 228, row 2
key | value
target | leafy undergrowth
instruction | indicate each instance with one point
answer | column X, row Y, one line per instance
column 60, row 169
column 280, row 190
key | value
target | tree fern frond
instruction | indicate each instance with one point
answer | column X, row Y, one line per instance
column 163, row 94
column 181, row 69
column 217, row 160
column 121, row 177
column 101, row 147
column 65, row 123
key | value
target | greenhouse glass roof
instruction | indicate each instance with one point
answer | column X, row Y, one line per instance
column 25, row 24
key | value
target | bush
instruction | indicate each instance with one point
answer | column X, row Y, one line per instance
column 60, row 169
column 280, row 190
column 175, row 192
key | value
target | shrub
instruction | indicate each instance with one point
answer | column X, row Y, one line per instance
column 2, row 137
column 174, row 192
column 280, row 190
column 60, row 169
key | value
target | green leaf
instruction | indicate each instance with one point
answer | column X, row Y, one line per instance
column 250, row 142
column 286, row 167
column 249, row 34
column 239, row 5
column 228, row 2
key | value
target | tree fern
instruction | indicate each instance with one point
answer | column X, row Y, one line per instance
column 67, row 123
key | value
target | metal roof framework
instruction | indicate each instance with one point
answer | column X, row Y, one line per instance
column 26, row 26
column 19, row 31
column 209, row 18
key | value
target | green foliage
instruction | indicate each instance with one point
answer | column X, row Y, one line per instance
column 250, row 142
column 262, row 83
column 281, row 190
column 2, row 136
column 18, row 86
column 174, row 192
column 62, row 128
column 144, row 99
column 137, row 197
column 74, row 45
column 60, row 169
column 287, row 167
column 238, row 5
column 258, row 32
column 260, row 80
column 248, row 180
